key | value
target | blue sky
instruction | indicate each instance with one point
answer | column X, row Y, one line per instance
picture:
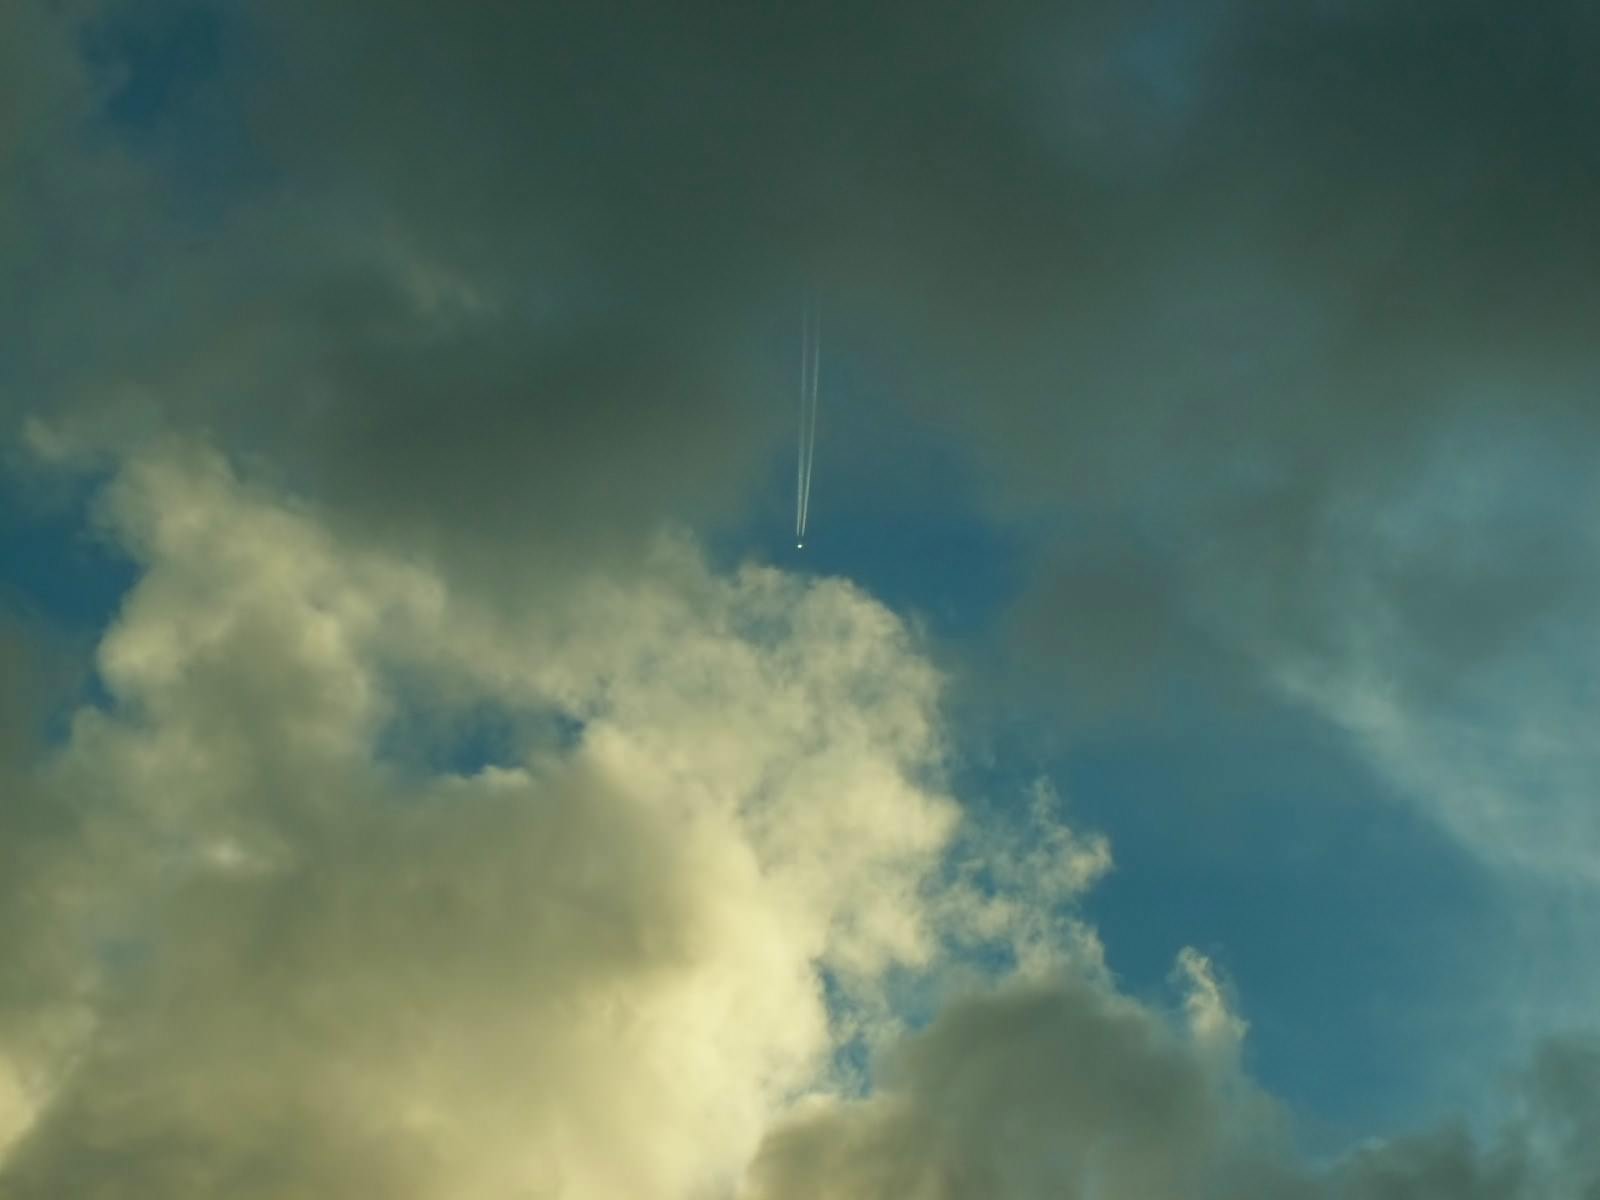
column 1177, row 454
column 1351, row 927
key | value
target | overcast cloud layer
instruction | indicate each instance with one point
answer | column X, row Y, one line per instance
column 1292, row 308
column 444, row 819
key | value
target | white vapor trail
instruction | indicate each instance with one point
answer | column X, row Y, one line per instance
column 810, row 363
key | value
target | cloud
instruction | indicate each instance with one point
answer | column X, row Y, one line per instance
column 1048, row 1089
column 253, row 954
column 1066, row 1090
column 291, row 966
column 1195, row 276
column 491, row 292
column 1224, row 287
column 1546, row 1150
column 1491, row 746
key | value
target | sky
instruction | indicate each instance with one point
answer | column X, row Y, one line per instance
column 429, row 769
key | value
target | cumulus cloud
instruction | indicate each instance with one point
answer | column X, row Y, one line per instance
column 252, row 952
column 590, row 971
column 1067, row 1090
column 1040, row 1090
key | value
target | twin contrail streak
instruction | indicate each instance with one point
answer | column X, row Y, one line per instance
column 810, row 362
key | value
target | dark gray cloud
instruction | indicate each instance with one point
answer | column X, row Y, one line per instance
column 1366, row 247
column 1054, row 1090
column 1211, row 277
column 19, row 696
column 1290, row 308
column 1061, row 1090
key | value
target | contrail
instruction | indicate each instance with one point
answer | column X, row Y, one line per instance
column 810, row 365
column 800, row 463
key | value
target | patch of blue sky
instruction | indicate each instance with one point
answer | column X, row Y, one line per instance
column 430, row 735
column 171, row 77
column 65, row 582
column 54, row 563
column 1354, row 929
column 851, row 1061
column 152, row 58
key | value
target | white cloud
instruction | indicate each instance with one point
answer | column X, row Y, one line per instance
column 591, row 970
column 1013, row 886
column 1211, row 1021
column 257, row 956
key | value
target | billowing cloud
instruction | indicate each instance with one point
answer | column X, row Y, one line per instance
column 1066, row 1090
column 1048, row 1090
column 589, row 970
column 257, row 952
